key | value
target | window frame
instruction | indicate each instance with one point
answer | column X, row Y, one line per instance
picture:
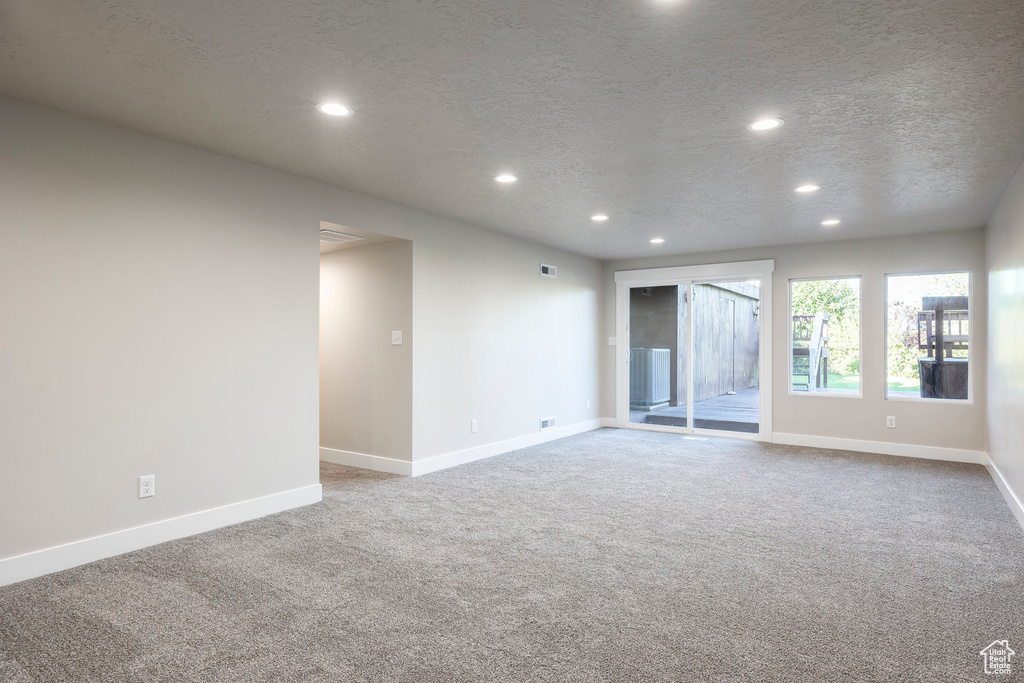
column 860, row 337
column 969, row 401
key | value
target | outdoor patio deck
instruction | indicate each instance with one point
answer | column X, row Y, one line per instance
column 730, row 412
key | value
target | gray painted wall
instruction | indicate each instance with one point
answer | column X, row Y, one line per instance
column 365, row 380
column 158, row 314
column 952, row 425
column 1006, row 341
column 497, row 342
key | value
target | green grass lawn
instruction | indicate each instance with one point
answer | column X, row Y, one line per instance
column 905, row 384
column 836, row 381
column 843, row 381
column 852, row 382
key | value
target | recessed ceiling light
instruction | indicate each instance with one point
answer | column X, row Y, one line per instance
column 807, row 188
column 599, row 217
column 506, row 178
column 334, row 109
column 830, row 222
column 765, row 124
column 657, row 240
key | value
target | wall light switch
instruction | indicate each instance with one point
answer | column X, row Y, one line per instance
column 396, row 338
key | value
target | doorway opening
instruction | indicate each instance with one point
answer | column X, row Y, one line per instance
column 366, row 338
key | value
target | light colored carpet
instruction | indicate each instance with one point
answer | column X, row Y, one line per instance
column 611, row 556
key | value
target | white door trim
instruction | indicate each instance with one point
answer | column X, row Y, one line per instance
column 651, row 277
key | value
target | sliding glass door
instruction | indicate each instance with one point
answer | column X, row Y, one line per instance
column 693, row 349
column 727, row 346
column 657, row 355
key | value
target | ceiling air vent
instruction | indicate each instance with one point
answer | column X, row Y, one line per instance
column 548, row 271
column 547, row 423
column 335, row 237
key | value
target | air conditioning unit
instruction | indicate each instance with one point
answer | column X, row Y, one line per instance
column 650, row 377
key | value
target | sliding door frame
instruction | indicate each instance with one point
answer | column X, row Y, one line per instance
column 687, row 276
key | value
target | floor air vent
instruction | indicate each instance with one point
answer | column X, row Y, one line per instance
column 547, row 423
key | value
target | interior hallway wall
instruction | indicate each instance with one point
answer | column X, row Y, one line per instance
column 158, row 314
column 497, row 342
column 954, row 424
column 1006, row 339
column 365, row 380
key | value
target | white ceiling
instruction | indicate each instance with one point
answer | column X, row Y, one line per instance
column 909, row 113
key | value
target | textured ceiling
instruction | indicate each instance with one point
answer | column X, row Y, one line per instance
column 909, row 113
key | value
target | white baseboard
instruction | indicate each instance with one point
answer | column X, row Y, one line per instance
column 609, row 422
column 1015, row 503
column 883, row 447
column 58, row 558
column 440, row 462
column 446, row 460
column 366, row 462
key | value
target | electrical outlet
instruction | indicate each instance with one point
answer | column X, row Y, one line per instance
column 396, row 338
column 890, row 422
column 612, row 341
column 147, row 486
column 472, row 426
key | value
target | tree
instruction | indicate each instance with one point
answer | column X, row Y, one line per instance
column 906, row 295
column 840, row 299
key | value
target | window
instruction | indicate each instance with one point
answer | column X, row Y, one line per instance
column 928, row 336
column 825, row 335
